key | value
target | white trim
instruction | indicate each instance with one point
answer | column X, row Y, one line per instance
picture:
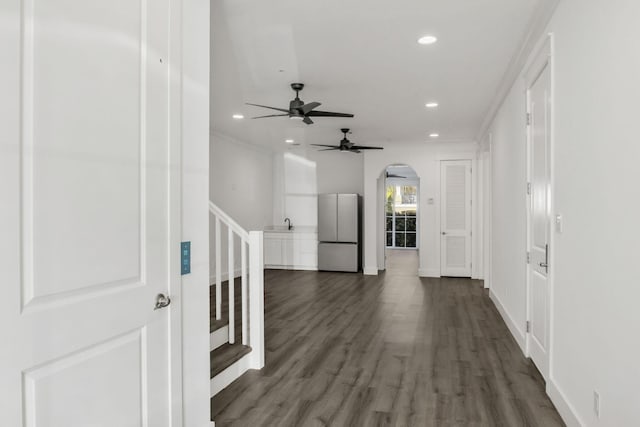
column 566, row 410
column 290, row 267
column 508, row 320
column 429, row 272
column 229, row 374
column 189, row 101
column 370, row 271
column 541, row 59
column 552, row 204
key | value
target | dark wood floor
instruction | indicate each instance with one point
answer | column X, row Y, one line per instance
column 388, row 350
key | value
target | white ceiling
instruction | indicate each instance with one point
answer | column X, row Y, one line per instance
column 361, row 57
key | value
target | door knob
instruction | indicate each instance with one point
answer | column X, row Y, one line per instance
column 544, row 265
column 444, row 233
column 162, row 301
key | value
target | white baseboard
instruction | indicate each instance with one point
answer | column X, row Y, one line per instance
column 292, row 267
column 370, row 271
column 230, row 374
column 225, row 276
column 565, row 409
column 428, row 272
column 219, row 337
column 517, row 333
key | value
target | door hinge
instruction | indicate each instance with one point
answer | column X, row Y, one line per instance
column 528, row 326
column 528, row 257
column 529, row 188
column 528, row 119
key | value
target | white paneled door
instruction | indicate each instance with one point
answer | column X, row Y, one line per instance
column 539, row 222
column 455, row 218
column 84, row 218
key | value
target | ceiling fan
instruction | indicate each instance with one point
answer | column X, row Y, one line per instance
column 299, row 110
column 393, row 175
column 346, row 145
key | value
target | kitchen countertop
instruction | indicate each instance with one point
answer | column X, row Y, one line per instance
column 295, row 229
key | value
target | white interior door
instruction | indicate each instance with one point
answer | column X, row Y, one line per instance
column 84, row 182
column 455, row 218
column 539, row 219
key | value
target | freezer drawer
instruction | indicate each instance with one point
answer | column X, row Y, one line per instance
column 338, row 257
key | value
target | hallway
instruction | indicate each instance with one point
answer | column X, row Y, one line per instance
column 393, row 349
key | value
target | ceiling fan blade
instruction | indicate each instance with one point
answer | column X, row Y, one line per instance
column 325, row 145
column 306, row 108
column 364, row 147
column 307, row 120
column 315, row 113
column 330, row 149
column 272, row 108
column 270, row 115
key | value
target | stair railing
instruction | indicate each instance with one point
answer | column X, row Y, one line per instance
column 251, row 282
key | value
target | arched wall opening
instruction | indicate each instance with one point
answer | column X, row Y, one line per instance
column 425, row 160
column 398, row 221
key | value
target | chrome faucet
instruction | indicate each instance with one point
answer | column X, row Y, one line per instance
column 288, row 221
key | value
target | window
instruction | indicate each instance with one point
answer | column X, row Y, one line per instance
column 401, row 219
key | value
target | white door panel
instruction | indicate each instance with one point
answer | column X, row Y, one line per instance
column 539, row 219
column 85, row 220
column 455, row 218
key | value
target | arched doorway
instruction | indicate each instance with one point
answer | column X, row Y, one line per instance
column 399, row 228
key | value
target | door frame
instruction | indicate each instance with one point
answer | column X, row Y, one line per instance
column 189, row 198
column 540, row 59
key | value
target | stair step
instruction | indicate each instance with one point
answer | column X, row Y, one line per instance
column 225, row 356
column 217, row 324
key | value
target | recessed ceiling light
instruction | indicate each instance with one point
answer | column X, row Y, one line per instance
column 238, row 116
column 427, row 40
column 289, row 141
column 431, row 104
column 434, row 135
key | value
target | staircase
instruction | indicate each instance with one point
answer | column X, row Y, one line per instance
column 237, row 304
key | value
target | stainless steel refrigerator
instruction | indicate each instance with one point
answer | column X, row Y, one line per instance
column 339, row 232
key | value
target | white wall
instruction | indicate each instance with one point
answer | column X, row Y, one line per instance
column 338, row 172
column 596, row 321
column 300, row 174
column 425, row 159
column 241, row 185
column 509, row 216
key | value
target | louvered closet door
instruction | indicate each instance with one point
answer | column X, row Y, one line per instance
column 455, row 218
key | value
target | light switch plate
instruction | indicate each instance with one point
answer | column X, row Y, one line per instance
column 559, row 223
column 185, row 258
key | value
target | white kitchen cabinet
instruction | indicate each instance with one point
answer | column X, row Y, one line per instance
column 293, row 250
